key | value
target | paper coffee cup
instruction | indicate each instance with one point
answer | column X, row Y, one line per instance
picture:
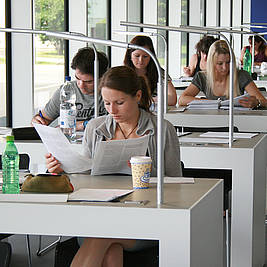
column 141, row 170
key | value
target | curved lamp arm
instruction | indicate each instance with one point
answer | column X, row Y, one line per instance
column 67, row 36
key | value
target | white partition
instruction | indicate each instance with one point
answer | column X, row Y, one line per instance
column 118, row 11
column 22, row 64
column 77, row 9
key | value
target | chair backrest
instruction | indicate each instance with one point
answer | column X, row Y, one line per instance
column 262, row 89
column 24, row 162
column 206, row 129
column 5, row 254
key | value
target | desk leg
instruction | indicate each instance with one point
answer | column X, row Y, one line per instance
column 248, row 209
column 198, row 240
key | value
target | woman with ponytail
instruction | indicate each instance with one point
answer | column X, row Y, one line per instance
column 127, row 99
column 143, row 65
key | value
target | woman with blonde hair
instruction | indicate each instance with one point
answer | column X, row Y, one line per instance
column 214, row 82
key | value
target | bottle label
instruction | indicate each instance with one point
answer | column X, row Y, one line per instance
column 67, row 118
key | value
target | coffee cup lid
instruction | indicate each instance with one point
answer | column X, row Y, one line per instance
column 140, row 159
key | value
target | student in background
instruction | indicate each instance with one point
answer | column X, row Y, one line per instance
column 260, row 50
column 140, row 61
column 214, row 82
column 127, row 99
column 198, row 61
column 83, row 64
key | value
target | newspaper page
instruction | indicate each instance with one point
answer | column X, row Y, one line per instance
column 112, row 156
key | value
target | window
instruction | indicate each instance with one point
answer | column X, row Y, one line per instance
column 2, row 66
column 48, row 51
column 184, row 35
column 162, row 21
column 97, row 21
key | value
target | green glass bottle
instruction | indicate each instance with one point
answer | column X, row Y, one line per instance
column 10, row 165
column 247, row 60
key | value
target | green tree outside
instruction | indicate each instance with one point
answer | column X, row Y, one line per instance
column 49, row 15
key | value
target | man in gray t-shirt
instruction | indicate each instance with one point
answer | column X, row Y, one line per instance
column 83, row 64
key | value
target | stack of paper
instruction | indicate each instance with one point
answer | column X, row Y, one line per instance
column 204, row 104
column 226, row 135
column 200, row 140
column 33, row 197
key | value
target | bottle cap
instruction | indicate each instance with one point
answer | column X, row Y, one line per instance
column 10, row 138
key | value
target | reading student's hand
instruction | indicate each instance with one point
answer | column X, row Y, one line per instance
column 249, row 102
column 52, row 164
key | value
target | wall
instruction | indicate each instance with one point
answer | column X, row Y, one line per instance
column 258, row 13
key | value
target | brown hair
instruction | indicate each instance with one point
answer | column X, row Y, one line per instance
column 204, row 44
column 125, row 79
column 257, row 39
column 151, row 70
column 84, row 61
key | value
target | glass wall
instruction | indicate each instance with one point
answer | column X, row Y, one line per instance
column 97, row 21
column 2, row 66
column 48, row 51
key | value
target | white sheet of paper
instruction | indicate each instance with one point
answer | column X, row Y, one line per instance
column 236, row 100
column 112, row 156
column 226, row 135
column 174, row 180
column 88, row 194
column 58, row 145
column 200, row 140
column 33, row 197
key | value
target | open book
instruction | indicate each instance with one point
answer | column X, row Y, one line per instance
column 225, row 104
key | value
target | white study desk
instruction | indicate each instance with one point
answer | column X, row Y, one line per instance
column 189, row 225
column 247, row 121
column 248, row 160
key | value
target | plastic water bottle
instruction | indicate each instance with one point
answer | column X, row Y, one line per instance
column 68, row 110
column 247, row 61
column 10, row 165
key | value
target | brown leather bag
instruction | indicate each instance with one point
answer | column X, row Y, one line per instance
column 47, row 183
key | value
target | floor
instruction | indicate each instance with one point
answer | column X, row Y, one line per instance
column 19, row 255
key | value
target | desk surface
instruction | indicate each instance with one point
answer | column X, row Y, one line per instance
column 249, row 143
column 178, row 196
column 248, row 121
column 187, row 208
column 183, row 83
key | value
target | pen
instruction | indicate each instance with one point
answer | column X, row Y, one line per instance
column 40, row 114
column 135, row 202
